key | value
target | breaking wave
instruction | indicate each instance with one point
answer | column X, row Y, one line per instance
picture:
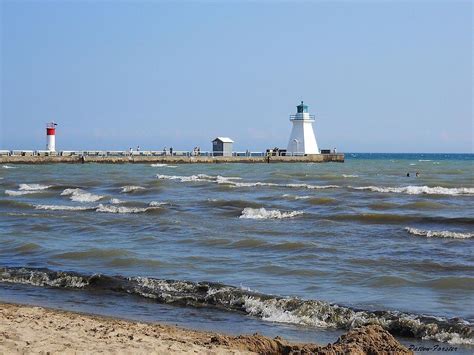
column 262, row 213
column 199, row 177
column 131, row 188
column 63, row 208
column 102, row 208
column 27, row 189
column 79, row 195
column 439, row 234
column 229, row 180
column 296, row 197
column 122, row 209
column 33, row 187
column 349, row 176
column 19, row 193
column 417, row 190
column 8, row 167
column 157, row 203
column 272, row 308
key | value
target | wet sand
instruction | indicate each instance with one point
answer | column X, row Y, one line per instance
column 29, row 329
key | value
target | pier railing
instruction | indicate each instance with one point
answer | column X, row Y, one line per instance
column 150, row 153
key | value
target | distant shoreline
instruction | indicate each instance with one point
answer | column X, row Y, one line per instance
column 35, row 159
column 26, row 329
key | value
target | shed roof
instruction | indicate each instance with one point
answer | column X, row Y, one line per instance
column 224, row 140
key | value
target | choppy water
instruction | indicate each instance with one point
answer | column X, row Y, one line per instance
column 305, row 250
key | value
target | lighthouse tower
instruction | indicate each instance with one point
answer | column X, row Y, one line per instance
column 302, row 139
column 51, row 136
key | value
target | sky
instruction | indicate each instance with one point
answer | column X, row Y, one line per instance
column 386, row 76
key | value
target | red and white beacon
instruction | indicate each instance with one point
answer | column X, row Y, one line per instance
column 51, row 136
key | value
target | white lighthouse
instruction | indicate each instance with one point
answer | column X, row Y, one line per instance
column 302, row 139
column 51, row 136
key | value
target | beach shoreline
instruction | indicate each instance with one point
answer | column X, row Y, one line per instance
column 32, row 329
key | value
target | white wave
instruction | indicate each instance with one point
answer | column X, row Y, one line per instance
column 274, row 310
column 122, row 209
column 417, row 190
column 312, row 187
column 157, row 203
column 305, row 197
column 199, row 177
column 163, row 166
column 439, row 234
column 262, row 213
column 8, row 167
column 26, row 189
column 181, row 178
column 115, row 201
column 424, row 160
column 131, row 188
column 349, row 176
column 62, row 208
column 412, row 164
column 33, row 187
column 248, row 184
column 229, row 180
column 80, row 195
column 450, row 338
column 323, row 315
column 19, row 193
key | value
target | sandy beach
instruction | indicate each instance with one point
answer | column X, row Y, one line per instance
column 29, row 329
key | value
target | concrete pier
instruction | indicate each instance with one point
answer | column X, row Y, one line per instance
column 138, row 159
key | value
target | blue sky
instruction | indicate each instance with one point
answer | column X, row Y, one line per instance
column 389, row 76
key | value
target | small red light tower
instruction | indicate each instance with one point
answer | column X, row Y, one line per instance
column 51, row 136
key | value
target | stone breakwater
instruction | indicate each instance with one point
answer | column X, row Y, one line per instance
column 320, row 158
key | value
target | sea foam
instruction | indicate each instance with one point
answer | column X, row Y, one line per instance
column 33, row 187
column 417, row 190
column 26, row 189
column 131, row 188
column 63, row 208
column 439, row 234
column 79, row 195
column 120, row 209
column 20, row 193
column 296, row 197
column 229, row 180
column 157, row 203
column 124, row 209
column 262, row 213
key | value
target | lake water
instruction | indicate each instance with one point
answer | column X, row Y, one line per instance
column 299, row 250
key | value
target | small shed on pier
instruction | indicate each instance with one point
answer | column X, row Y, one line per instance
column 222, row 146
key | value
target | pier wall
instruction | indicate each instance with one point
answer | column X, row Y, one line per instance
column 320, row 158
